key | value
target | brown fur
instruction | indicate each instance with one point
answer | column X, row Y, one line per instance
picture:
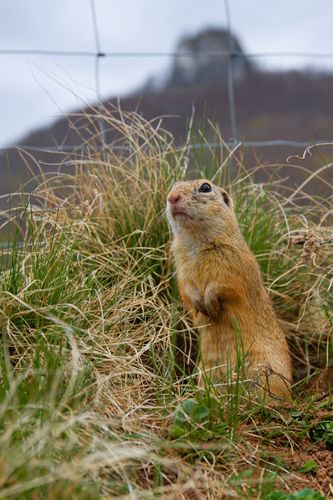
column 219, row 281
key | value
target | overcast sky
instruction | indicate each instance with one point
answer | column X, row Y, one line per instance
column 35, row 90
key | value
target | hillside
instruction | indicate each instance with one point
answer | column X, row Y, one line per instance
column 286, row 105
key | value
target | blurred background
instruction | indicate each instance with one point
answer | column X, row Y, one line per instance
column 260, row 70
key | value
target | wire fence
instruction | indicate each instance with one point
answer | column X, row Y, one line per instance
column 231, row 55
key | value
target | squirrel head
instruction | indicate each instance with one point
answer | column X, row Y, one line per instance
column 201, row 210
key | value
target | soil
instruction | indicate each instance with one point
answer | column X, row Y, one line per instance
column 321, row 479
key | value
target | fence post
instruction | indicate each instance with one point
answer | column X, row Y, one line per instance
column 231, row 89
column 98, row 56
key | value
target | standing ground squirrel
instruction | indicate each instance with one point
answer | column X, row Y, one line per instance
column 220, row 282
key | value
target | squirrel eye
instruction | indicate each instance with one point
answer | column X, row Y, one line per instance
column 205, row 188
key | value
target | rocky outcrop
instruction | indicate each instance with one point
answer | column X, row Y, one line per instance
column 203, row 58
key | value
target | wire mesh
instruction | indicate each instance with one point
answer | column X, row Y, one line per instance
column 230, row 55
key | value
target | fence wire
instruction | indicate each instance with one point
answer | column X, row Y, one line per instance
column 213, row 145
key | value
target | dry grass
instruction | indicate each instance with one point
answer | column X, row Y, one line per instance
column 98, row 394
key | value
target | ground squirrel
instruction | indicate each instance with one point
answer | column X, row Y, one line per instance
column 220, row 282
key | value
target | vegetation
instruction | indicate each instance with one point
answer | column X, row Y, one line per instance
column 98, row 362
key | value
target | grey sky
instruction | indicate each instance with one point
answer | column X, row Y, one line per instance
column 34, row 90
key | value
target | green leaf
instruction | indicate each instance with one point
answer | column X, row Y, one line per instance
column 177, row 431
column 277, row 495
column 309, row 466
column 190, row 411
column 307, row 494
column 185, row 410
column 323, row 431
column 200, row 413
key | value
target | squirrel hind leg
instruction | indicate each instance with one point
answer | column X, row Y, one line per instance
column 271, row 384
column 262, row 383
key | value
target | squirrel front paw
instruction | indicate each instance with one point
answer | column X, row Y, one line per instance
column 199, row 307
column 213, row 301
column 209, row 304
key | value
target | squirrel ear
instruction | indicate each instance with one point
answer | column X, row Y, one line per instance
column 226, row 197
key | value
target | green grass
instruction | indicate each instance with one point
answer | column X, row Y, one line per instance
column 98, row 395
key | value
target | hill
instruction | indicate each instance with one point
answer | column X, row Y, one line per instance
column 286, row 105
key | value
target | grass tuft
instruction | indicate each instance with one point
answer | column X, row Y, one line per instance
column 98, row 389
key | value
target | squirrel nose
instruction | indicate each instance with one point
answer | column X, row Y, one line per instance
column 173, row 198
